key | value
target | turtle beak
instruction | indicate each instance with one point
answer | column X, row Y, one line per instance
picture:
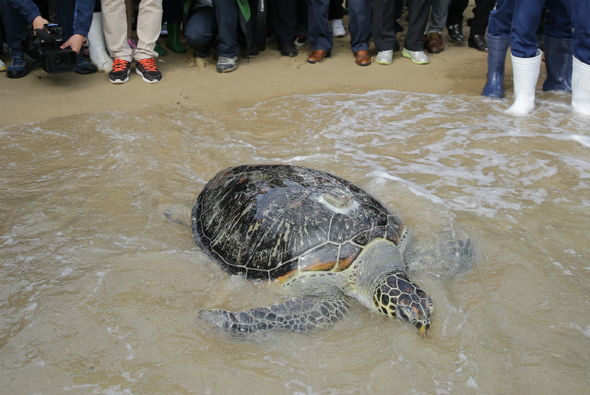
column 422, row 331
column 422, row 328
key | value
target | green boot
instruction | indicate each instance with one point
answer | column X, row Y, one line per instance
column 160, row 49
column 172, row 41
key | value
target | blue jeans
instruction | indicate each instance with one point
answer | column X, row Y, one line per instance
column 15, row 27
column 205, row 24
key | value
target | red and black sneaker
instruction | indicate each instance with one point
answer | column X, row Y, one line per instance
column 148, row 70
column 120, row 72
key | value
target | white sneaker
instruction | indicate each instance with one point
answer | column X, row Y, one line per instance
column 385, row 57
column 418, row 57
column 2, row 66
column 337, row 28
column 525, row 72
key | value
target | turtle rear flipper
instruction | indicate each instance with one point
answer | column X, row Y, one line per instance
column 301, row 314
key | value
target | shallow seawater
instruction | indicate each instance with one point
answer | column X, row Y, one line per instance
column 99, row 292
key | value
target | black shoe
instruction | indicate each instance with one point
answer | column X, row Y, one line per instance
column 19, row 68
column 455, row 33
column 254, row 51
column 84, row 66
column 478, row 41
column 289, row 50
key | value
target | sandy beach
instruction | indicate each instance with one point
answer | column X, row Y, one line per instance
column 196, row 84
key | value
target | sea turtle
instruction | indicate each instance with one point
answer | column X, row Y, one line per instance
column 318, row 234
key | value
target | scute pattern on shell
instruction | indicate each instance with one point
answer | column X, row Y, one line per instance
column 266, row 221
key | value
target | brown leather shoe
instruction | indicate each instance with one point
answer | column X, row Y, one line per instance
column 363, row 58
column 318, row 56
column 434, row 43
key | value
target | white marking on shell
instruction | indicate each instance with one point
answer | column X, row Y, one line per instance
column 339, row 201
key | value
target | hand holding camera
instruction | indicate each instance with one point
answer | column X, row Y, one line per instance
column 42, row 47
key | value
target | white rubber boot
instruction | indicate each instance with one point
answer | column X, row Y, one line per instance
column 581, row 87
column 525, row 72
column 96, row 45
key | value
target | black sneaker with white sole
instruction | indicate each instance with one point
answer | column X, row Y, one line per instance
column 120, row 71
column 148, row 70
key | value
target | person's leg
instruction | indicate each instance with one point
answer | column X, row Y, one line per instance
column 149, row 25
column 335, row 15
column 414, row 44
column 284, row 22
column 226, row 15
column 64, row 16
column 481, row 16
column 320, row 36
column 579, row 11
column 16, row 29
column 558, row 47
column 526, row 57
column 359, row 13
column 114, row 20
column 96, row 44
column 200, row 29
column 438, row 17
column 335, row 10
column 383, row 24
column 455, row 19
column 525, row 20
column 479, row 23
column 498, row 40
column 173, row 16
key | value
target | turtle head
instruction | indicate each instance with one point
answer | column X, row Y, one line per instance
column 396, row 296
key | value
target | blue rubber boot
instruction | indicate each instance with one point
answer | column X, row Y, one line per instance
column 497, row 48
column 558, row 61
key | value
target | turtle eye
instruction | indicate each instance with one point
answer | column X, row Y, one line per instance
column 406, row 314
column 401, row 314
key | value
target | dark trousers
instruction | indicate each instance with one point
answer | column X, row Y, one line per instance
column 285, row 20
column 320, row 35
column 336, row 11
column 418, row 12
column 481, row 14
column 384, row 24
column 172, row 10
column 205, row 24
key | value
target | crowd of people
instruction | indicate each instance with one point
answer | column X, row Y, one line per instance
column 120, row 32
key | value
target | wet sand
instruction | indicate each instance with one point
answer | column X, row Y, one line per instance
column 196, row 84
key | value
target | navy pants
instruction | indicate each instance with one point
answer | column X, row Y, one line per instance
column 318, row 30
column 205, row 24
column 519, row 20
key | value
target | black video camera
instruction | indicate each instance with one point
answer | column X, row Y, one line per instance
column 41, row 48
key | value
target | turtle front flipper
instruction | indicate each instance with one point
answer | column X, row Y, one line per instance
column 300, row 314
